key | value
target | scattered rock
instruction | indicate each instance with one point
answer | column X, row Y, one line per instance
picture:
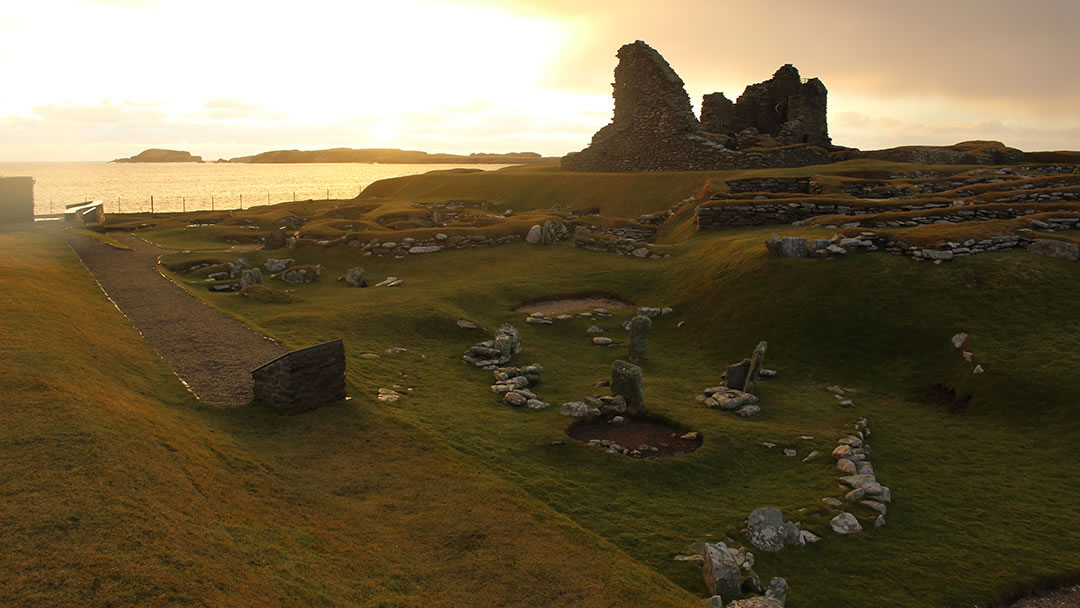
column 959, row 339
column 577, row 409
column 845, row 523
column 812, row 455
column 276, row 265
column 535, row 234
column 250, row 276
column 747, row 411
column 721, row 570
column 594, row 330
column 355, row 277
column 602, row 341
column 466, row 324
column 790, row 453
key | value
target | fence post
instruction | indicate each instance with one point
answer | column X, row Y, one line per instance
column 211, row 202
column 327, row 194
column 151, row 204
column 183, row 201
column 118, row 205
column 241, row 202
column 267, row 199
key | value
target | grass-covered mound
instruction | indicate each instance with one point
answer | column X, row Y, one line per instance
column 121, row 490
column 982, row 495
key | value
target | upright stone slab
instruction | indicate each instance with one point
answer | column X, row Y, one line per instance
column 546, row 233
column 507, row 342
column 535, row 233
column 303, row 379
column 721, row 570
column 627, row 382
column 737, row 373
column 639, row 335
column 756, row 362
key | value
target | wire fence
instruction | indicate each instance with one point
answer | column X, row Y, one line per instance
column 172, row 203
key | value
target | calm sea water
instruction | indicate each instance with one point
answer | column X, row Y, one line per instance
column 177, row 186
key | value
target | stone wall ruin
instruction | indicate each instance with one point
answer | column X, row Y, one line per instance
column 303, row 379
column 654, row 127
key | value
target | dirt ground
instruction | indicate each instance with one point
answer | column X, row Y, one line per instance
column 558, row 307
column 213, row 354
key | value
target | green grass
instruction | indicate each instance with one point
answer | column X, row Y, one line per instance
column 337, row 506
column 967, row 525
column 120, row 489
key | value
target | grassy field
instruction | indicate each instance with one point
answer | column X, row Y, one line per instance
column 449, row 496
column 120, row 489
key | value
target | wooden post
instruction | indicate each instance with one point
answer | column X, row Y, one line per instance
column 151, row 204
column 118, row 205
column 267, row 199
column 241, row 202
column 211, row 202
column 183, row 201
column 327, row 194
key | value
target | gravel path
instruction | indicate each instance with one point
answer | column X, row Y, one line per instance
column 212, row 353
column 1068, row 597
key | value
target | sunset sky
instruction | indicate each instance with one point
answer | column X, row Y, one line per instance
column 96, row 80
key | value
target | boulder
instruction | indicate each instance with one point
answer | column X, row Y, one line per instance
column 747, row 411
column 1056, row 249
column 355, row 277
column 276, row 265
column 507, row 342
column 765, row 529
column 535, row 234
column 730, row 400
column 250, row 276
column 627, row 382
column 845, row 523
column 639, row 334
column 721, row 570
column 577, row 409
column 788, row 246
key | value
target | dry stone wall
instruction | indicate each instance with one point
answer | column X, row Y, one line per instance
column 303, row 379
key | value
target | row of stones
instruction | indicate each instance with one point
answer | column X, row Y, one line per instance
column 711, row 216
column 799, row 247
column 956, row 215
column 860, row 484
column 615, row 244
column 286, row 270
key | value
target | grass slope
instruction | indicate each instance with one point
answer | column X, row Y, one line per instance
column 120, row 489
column 982, row 507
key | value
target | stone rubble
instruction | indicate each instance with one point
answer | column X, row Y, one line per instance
column 492, row 353
column 863, row 488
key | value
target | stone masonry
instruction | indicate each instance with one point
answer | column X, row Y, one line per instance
column 654, row 127
column 303, row 379
column 784, row 107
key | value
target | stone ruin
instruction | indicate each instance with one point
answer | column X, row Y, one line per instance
column 777, row 123
column 783, row 108
column 303, row 379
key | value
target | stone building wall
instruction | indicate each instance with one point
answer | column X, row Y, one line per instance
column 654, row 127
column 303, row 379
column 793, row 111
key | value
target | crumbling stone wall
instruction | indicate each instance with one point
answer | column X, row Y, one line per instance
column 303, row 379
column 785, row 107
column 717, row 114
column 654, row 127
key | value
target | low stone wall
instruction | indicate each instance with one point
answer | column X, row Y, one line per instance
column 969, row 213
column 738, row 213
column 794, row 185
column 867, row 242
column 615, row 244
column 303, row 379
column 434, row 244
column 638, row 234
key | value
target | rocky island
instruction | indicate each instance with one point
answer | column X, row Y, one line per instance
column 159, row 155
column 386, row 155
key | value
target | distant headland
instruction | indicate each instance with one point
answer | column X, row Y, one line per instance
column 345, row 155
column 158, row 155
column 387, row 156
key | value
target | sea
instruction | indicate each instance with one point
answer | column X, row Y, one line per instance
column 142, row 187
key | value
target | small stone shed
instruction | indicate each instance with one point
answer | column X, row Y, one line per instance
column 303, row 379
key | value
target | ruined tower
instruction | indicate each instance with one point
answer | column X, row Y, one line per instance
column 654, row 127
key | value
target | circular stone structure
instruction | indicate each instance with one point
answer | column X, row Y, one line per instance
column 637, row 436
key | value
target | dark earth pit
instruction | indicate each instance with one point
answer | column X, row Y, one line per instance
column 663, row 438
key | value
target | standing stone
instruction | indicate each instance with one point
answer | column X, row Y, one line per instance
column 736, row 375
column 765, row 529
column 722, row 575
column 639, row 334
column 627, row 382
column 355, row 277
column 756, row 361
column 546, row 236
column 507, row 342
column 535, row 234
